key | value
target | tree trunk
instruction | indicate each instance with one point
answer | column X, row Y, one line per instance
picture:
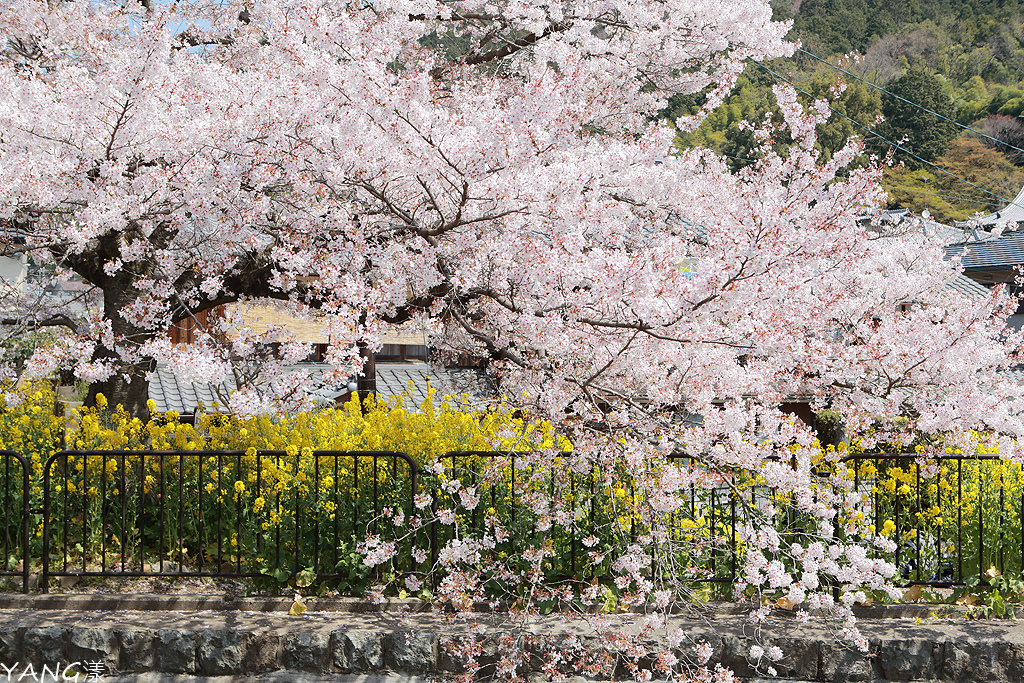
column 129, row 386
column 131, row 392
column 367, row 382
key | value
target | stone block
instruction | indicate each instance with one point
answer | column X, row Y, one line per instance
column 357, row 651
column 969, row 661
column 263, row 653
column 175, row 652
column 136, row 649
column 451, row 654
column 908, row 659
column 732, row 653
column 839, row 663
column 455, row 651
column 11, row 648
column 799, row 658
column 88, row 645
column 44, row 645
column 412, row 652
column 1010, row 660
column 221, row 652
column 307, row 651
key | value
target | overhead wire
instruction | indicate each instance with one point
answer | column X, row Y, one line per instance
column 958, row 197
column 903, row 99
column 892, row 144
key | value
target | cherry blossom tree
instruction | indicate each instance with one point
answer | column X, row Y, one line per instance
column 180, row 157
column 496, row 170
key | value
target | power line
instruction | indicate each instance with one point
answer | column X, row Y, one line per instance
column 913, row 104
column 881, row 137
column 958, row 197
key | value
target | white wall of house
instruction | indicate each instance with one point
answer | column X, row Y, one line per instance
column 12, row 273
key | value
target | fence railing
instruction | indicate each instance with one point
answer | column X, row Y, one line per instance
column 579, row 491
column 951, row 517
column 286, row 514
column 290, row 515
column 227, row 513
column 14, row 492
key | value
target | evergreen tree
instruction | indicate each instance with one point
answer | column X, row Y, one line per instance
column 923, row 134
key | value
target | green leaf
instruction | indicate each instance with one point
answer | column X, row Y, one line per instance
column 305, row 578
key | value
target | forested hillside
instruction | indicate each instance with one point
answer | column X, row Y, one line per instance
column 963, row 59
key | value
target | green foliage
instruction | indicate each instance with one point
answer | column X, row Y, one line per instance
column 947, row 198
column 961, row 58
column 851, row 98
column 842, row 26
column 752, row 101
column 838, row 25
column 450, row 46
column 18, row 348
column 923, row 134
column 781, row 10
column 726, row 129
column 992, row 595
column 829, row 426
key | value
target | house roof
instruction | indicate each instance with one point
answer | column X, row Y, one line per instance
column 966, row 285
column 928, row 226
column 313, row 329
column 982, row 250
column 418, row 378
column 170, row 392
column 994, row 253
column 1012, row 212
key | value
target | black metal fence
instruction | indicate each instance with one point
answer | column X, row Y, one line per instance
column 952, row 517
column 198, row 513
column 596, row 510
column 287, row 515
column 14, row 488
column 293, row 515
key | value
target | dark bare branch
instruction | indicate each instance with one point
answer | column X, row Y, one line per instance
column 59, row 320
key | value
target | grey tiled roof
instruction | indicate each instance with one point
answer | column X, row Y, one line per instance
column 927, row 225
column 1015, row 374
column 996, row 252
column 999, row 252
column 172, row 393
column 1013, row 212
column 966, row 285
column 416, row 378
column 393, row 379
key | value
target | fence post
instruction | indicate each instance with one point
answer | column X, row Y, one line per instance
column 26, row 508
column 433, row 539
column 44, row 579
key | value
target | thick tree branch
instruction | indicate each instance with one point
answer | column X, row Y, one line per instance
column 514, row 46
column 59, row 320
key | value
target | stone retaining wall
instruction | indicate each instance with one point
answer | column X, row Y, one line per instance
column 148, row 644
